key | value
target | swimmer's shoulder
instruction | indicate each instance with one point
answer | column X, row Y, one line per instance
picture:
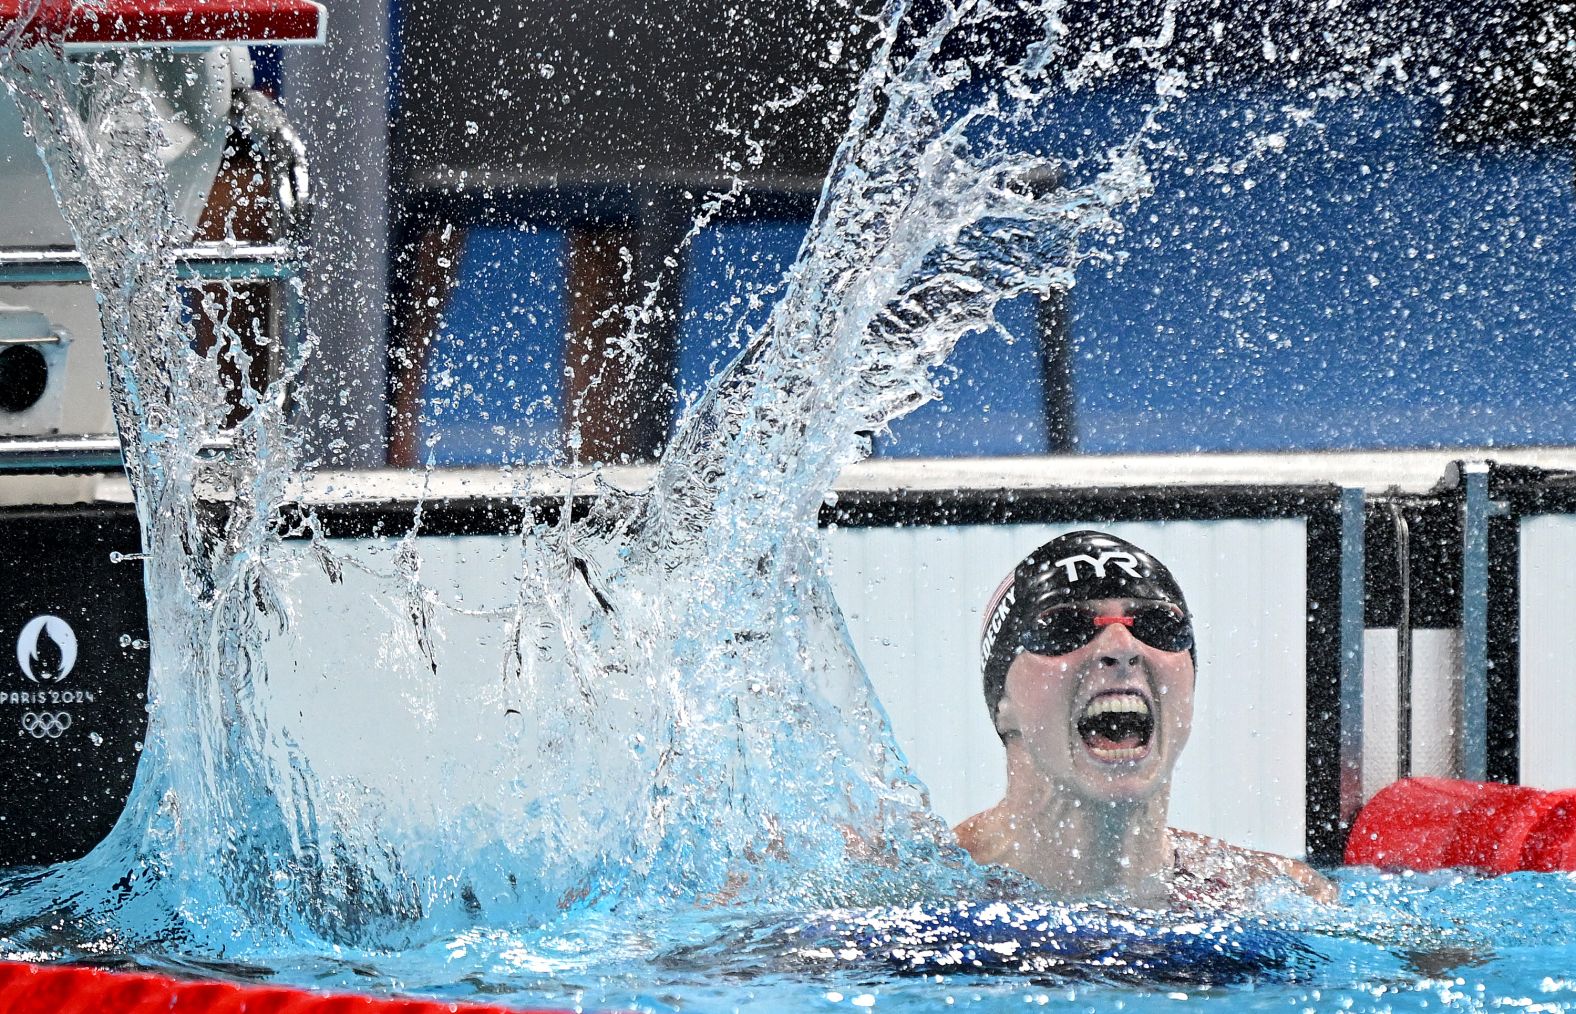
column 985, row 837
column 1208, row 861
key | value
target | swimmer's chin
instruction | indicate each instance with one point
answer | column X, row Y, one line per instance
column 1120, row 779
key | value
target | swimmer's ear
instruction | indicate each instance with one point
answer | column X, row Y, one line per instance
column 1007, row 724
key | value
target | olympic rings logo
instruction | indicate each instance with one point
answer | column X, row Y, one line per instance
column 40, row 724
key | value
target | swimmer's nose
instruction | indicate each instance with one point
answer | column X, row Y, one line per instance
column 1118, row 648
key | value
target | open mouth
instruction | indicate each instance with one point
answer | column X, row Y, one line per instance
column 1117, row 726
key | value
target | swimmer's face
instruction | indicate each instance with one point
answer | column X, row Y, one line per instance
column 1108, row 720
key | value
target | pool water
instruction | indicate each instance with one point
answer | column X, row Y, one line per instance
column 1395, row 943
column 665, row 823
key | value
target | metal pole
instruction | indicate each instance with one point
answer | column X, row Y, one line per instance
column 1403, row 644
column 60, row 455
column 337, row 96
column 1056, row 342
column 1476, row 509
column 1353, row 605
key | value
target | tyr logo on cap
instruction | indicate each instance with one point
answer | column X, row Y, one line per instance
column 1126, row 561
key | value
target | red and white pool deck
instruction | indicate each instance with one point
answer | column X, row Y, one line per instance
column 47, row 989
column 182, row 24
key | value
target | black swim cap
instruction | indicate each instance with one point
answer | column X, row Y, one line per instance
column 1076, row 567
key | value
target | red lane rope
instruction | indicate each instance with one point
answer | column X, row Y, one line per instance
column 64, row 989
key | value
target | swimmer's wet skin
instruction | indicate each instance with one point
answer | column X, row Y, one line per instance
column 1089, row 675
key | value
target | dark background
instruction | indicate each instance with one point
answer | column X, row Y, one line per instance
column 1394, row 282
column 62, row 795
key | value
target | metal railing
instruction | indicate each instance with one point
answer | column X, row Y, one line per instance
column 60, row 455
column 205, row 262
column 87, row 454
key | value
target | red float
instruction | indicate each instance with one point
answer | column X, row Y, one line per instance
column 1436, row 823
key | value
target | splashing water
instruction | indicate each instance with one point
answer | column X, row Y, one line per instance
column 209, row 803
column 677, row 653
column 695, row 733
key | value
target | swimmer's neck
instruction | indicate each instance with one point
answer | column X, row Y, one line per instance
column 1080, row 847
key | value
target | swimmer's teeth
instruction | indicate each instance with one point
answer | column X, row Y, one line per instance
column 1109, row 703
column 1121, row 753
column 1118, row 703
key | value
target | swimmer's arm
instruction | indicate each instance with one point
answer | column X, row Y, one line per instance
column 1260, row 867
column 1313, row 883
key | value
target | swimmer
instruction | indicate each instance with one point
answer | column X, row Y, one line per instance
column 1089, row 676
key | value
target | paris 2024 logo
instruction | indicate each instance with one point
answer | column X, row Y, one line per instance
column 46, row 652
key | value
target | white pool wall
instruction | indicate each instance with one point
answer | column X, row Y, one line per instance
column 912, row 598
column 356, row 702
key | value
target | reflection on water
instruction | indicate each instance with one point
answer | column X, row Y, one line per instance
column 694, row 758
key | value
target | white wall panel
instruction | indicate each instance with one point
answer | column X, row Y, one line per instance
column 1436, row 674
column 913, row 599
column 1548, row 651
